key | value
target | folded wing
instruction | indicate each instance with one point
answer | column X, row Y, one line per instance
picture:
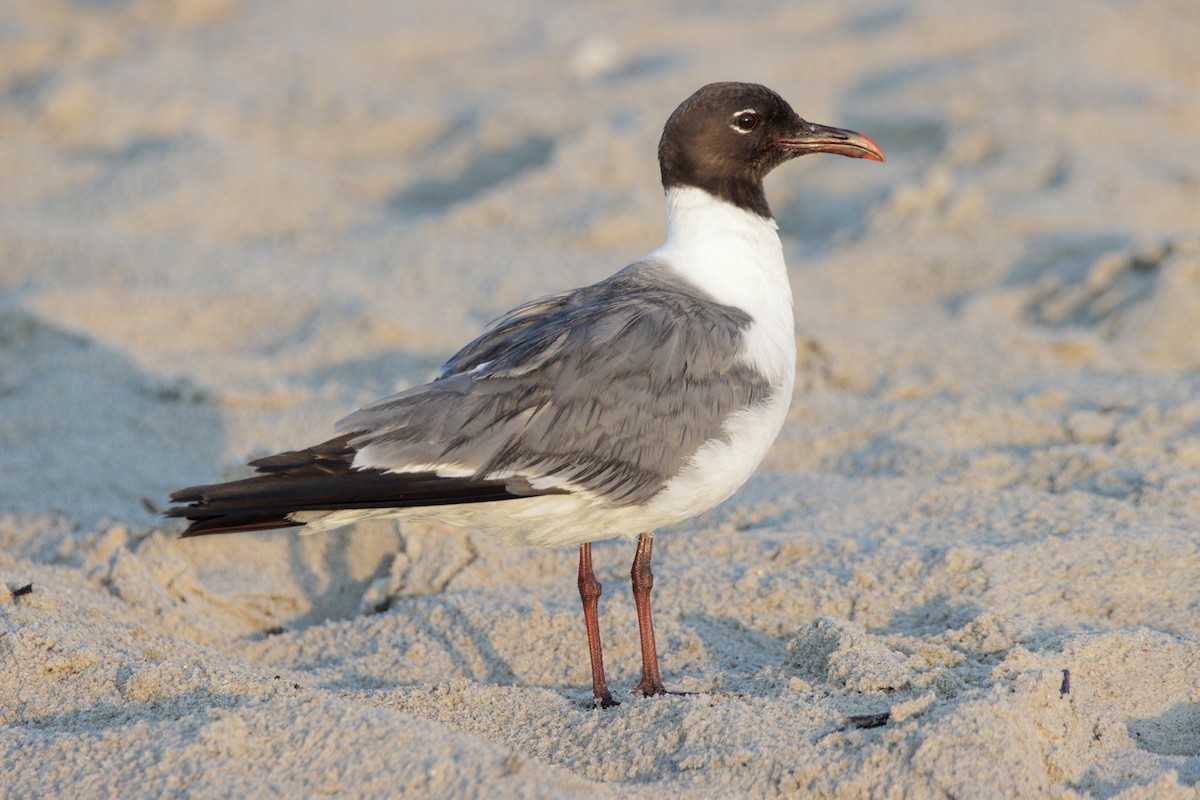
column 606, row 390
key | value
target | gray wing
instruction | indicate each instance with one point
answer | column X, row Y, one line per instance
column 609, row 389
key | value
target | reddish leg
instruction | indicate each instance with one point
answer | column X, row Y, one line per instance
column 643, row 582
column 589, row 592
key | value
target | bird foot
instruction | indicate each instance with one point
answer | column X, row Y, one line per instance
column 649, row 689
column 604, row 701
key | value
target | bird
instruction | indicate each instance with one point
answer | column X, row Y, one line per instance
column 606, row 411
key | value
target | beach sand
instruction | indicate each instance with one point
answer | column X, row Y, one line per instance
column 970, row 567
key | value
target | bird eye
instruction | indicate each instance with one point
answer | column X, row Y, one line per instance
column 745, row 121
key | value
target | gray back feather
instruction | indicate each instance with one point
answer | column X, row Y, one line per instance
column 610, row 387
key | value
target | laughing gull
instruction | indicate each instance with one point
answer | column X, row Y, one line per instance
column 610, row 410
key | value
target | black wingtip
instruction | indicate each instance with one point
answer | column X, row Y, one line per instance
column 323, row 479
column 231, row 523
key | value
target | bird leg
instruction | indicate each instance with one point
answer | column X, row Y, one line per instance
column 643, row 582
column 589, row 592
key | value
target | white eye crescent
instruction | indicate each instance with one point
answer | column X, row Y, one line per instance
column 745, row 121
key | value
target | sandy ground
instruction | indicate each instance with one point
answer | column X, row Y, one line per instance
column 969, row 568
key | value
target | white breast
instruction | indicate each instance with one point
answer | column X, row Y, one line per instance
column 734, row 256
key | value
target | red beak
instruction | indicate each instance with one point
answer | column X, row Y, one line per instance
column 824, row 139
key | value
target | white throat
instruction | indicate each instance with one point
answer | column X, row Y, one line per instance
column 735, row 257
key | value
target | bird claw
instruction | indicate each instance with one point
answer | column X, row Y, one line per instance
column 653, row 690
column 604, row 701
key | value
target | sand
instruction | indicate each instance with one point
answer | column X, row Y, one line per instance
column 970, row 567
